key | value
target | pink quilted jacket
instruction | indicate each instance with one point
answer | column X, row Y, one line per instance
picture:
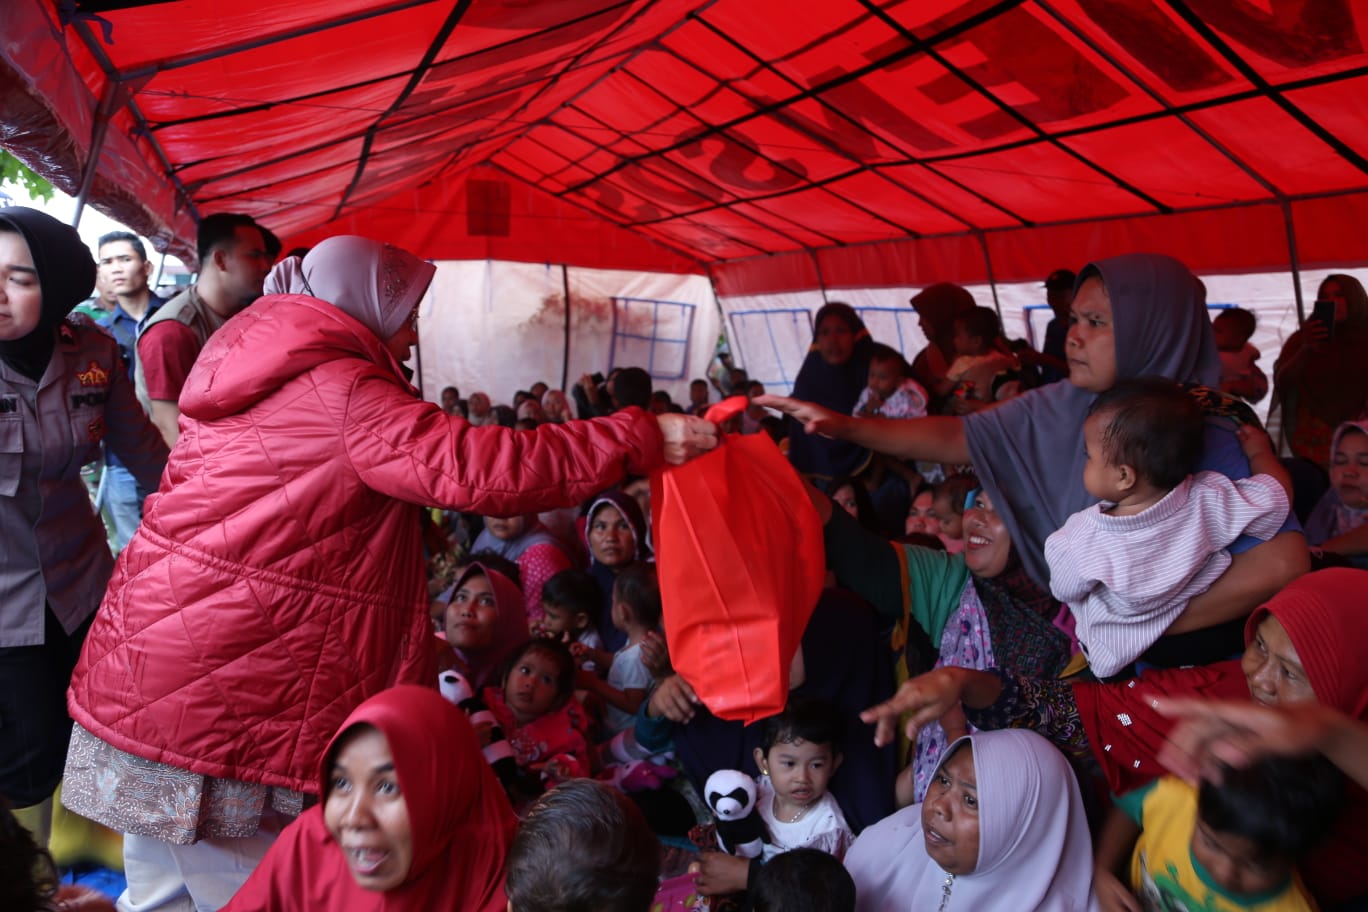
column 277, row 579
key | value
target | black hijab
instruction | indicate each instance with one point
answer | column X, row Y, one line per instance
column 838, row 387
column 66, row 275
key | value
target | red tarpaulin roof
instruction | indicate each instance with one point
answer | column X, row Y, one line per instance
column 776, row 144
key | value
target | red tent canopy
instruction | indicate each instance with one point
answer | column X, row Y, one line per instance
column 777, row 145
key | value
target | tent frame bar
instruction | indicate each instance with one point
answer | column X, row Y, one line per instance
column 103, row 114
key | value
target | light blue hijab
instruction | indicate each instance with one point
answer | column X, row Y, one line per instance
column 1028, row 452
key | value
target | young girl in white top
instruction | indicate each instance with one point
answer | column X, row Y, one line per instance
column 1128, row 566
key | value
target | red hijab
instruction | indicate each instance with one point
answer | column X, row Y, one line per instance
column 485, row 667
column 462, row 824
column 1325, row 615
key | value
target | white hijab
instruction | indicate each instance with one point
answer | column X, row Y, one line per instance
column 1035, row 854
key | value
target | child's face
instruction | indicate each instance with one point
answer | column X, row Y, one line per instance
column 951, row 522
column 1227, row 335
column 965, row 344
column 1101, row 478
column 883, row 378
column 799, row 770
column 1235, row 863
column 506, row 528
column 472, row 614
column 531, row 690
column 559, row 621
column 923, row 517
column 698, row 393
column 845, row 499
column 1349, row 469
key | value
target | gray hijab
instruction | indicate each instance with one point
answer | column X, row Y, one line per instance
column 1028, row 452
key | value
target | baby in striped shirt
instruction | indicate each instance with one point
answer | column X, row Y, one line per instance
column 1128, row 565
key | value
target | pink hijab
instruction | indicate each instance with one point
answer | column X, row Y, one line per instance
column 377, row 284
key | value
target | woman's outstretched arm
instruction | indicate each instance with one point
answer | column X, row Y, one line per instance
column 933, row 439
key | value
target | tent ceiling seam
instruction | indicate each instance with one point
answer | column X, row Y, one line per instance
column 1265, row 88
column 419, row 73
column 797, row 127
column 835, row 82
column 1159, row 99
column 931, row 51
column 88, row 38
column 160, row 66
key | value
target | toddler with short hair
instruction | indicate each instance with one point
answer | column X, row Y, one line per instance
column 890, row 391
column 569, row 600
column 1222, row 847
column 636, row 612
column 1128, row 566
column 534, row 707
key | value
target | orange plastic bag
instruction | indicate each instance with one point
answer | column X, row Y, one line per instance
column 741, row 564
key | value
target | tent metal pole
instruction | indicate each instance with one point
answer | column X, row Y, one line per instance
column 161, row 271
column 565, row 353
column 1293, row 259
column 988, row 264
column 103, row 114
column 821, row 280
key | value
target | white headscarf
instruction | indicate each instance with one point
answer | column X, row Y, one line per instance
column 1035, row 854
column 377, row 284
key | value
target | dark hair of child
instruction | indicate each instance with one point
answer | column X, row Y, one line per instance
column 1153, row 426
column 887, row 354
column 28, row 878
column 555, row 650
column 801, row 880
column 981, row 323
column 755, row 388
column 632, row 386
column 575, row 591
column 662, row 397
column 804, row 719
column 614, row 858
column 864, row 506
column 492, row 560
column 520, row 397
column 1284, row 805
column 957, row 488
column 1241, row 320
column 638, row 588
column 774, row 427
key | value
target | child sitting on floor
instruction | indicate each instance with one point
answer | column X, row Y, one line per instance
column 891, row 392
column 1226, row 847
column 616, row 857
column 803, row 880
column 635, row 612
column 569, row 600
column 1128, row 566
column 534, row 707
column 983, row 354
column 799, row 752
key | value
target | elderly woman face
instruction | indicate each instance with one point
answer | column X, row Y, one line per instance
column 365, row 811
column 950, row 814
column 1349, row 469
column 611, row 539
column 1272, row 668
column 21, row 298
column 835, row 340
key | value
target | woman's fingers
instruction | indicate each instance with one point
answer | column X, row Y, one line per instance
column 926, row 697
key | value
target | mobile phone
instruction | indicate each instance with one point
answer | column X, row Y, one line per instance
column 1325, row 312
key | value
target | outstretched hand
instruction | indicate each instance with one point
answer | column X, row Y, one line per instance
column 816, row 419
column 926, row 697
column 686, row 436
column 1210, row 733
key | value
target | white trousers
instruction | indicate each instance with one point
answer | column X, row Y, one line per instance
column 192, row 878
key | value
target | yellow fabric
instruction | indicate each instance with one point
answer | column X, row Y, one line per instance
column 1163, row 860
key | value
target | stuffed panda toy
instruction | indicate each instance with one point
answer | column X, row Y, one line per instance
column 731, row 796
column 498, row 752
